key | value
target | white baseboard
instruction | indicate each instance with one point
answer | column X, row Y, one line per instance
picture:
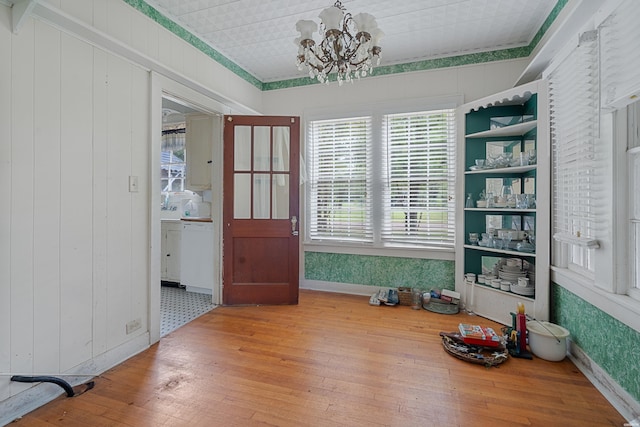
column 343, row 288
column 42, row 393
column 618, row 397
column 199, row 290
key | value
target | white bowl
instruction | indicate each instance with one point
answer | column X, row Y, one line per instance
column 547, row 340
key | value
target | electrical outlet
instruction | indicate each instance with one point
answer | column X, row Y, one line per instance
column 134, row 325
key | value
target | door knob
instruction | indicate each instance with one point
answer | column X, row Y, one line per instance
column 294, row 223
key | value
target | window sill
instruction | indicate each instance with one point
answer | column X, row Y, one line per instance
column 400, row 252
column 621, row 307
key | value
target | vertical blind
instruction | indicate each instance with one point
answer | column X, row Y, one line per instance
column 340, row 175
column 574, row 113
column 419, row 178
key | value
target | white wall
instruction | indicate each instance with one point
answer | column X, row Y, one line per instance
column 76, row 246
column 121, row 23
column 471, row 81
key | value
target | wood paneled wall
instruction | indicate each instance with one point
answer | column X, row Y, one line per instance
column 74, row 242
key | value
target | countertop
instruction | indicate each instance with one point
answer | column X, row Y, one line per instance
column 196, row 219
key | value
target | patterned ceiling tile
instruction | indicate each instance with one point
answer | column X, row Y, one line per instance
column 258, row 35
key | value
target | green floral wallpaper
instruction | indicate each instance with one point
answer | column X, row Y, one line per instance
column 609, row 343
column 425, row 274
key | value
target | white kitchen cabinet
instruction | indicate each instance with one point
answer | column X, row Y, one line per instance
column 197, row 256
column 201, row 131
column 171, row 241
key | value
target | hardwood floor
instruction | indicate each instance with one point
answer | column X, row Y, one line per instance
column 332, row 360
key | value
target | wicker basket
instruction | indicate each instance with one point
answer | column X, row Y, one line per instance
column 474, row 354
column 404, row 295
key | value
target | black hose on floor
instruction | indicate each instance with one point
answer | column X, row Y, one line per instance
column 55, row 380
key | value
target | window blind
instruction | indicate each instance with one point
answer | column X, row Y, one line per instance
column 340, row 175
column 574, row 114
column 419, row 180
column 633, row 170
column 620, row 56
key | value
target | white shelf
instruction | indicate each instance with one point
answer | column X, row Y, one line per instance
column 500, row 251
column 513, row 130
column 496, row 304
column 492, row 289
column 502, row 171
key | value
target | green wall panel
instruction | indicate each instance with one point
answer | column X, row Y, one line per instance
column 612, row 345
column 379, row 270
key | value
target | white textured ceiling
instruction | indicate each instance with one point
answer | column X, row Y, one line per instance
column 258, row 35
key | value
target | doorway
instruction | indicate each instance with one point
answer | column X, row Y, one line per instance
column 186, row 186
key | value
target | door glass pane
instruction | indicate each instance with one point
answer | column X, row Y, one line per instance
column 280, row 194
column 242, row 148
column 242, row 196
column 261, row 148
column 261, row 195
column 281, row 148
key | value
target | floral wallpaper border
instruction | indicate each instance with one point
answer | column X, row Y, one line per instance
column 476, row 58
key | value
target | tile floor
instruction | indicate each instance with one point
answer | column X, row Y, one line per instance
column 178, row 307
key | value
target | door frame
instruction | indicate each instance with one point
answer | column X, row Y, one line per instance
column 162, row 86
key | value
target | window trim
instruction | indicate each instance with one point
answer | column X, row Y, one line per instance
column 376, row 111
column 610, row 289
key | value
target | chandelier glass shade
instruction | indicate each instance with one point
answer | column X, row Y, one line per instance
column 349, row 48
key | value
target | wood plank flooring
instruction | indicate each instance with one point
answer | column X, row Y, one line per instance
column 332, row 360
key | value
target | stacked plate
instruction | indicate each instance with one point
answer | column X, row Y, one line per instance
column 527, row 291
column 511, row 273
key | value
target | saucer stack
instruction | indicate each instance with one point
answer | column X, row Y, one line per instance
column 511, row 273
column 525, row 286
column 527, row 291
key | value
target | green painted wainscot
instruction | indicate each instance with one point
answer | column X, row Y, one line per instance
column 612, row 345
column 425, row 274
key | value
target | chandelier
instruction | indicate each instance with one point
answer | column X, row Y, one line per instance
column 349, row 48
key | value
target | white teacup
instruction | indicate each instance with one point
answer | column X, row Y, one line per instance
column 523, row 281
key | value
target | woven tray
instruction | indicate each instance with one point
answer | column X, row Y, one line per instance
column 473, row 354
column 442, row 308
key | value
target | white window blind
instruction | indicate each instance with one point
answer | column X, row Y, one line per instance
column 620, row 56
column 633, row 158
column 340, row 175
column 419, row 178
column 574, row 110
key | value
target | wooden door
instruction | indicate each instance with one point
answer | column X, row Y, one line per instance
column 261, row 218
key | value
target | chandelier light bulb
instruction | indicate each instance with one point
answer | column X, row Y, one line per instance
column 348, row 48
